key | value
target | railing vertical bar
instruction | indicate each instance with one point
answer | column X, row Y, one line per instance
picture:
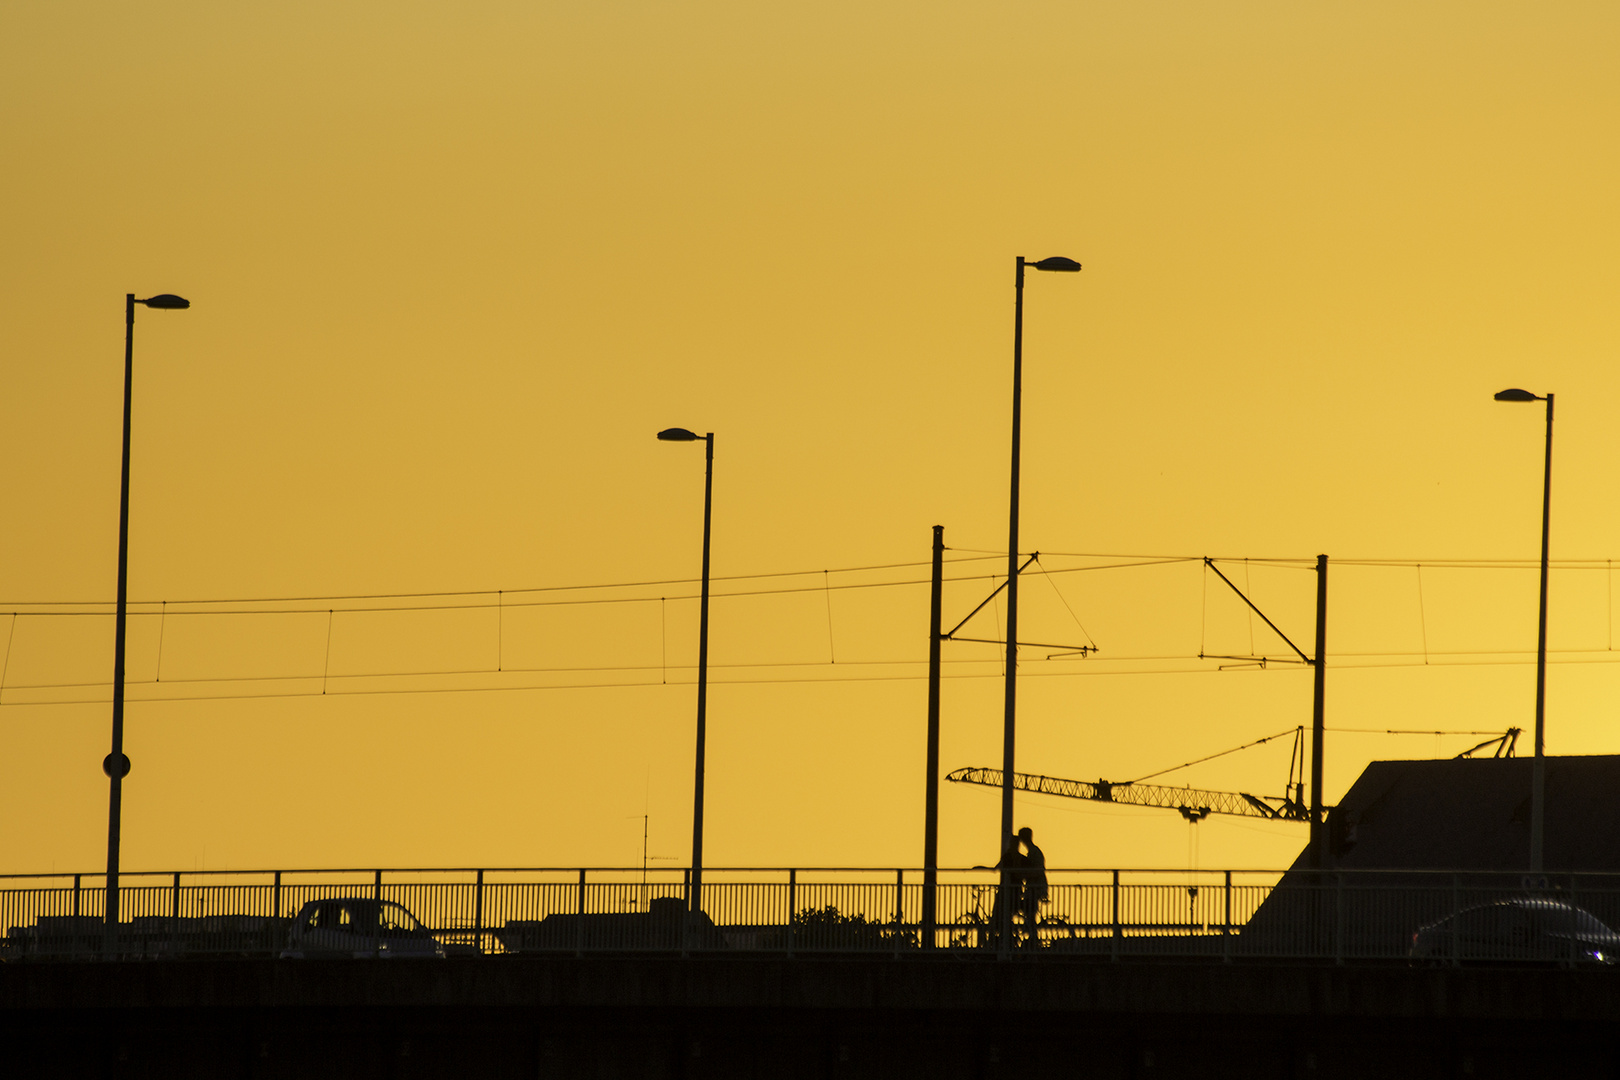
column 1338, row 923
column 1226, row 922
column 1457, row 905
column 899, row 909
column 1118, row 930
column 793, row 906
column 1574, row 902
column 579, row 918
column 478, row 914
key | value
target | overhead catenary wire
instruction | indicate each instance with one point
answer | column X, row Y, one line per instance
column 1065, row 602
column 482, row 599
column 826, row 581
column 1423, row 615
column 488, row 604
column 11, row 632
column 1094, row 673
column 1166, row 664
column 1404, row 731
column 163, row 625
column 476, row 592
column 1093, row 668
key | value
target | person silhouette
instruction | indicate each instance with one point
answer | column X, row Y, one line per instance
column 1009, row 892
column 1033, row 889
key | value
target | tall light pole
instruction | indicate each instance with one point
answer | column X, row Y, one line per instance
column 694, row 899
column 1538, row 770
column 116, row 764
column 1009, row 723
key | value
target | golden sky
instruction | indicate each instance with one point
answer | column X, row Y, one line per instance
column 453, row 265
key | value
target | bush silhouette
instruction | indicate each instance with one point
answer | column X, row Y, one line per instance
column 829, row 928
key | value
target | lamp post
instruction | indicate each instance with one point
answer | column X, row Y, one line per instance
column 694, row 899
column 116, row 764
column 1538, row 770
column 1062, row 265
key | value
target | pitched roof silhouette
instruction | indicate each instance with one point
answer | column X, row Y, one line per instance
column 1474, row 814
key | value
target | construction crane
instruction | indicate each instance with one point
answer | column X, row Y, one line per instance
column 1194, row 804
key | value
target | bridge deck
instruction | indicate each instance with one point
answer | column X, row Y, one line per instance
column 735, row 1017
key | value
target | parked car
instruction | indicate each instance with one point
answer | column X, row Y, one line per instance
column 666, row 924
column 1523, row 929
column 360, row 928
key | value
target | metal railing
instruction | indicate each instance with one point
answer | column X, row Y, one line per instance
column 1115, row 914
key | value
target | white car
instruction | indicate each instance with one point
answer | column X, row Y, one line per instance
column 360, row 928
column 1522, row 929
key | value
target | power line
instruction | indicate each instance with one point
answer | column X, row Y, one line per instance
column 496, row 600
column 499, row 599
column 482, row 599
column 491, row 592
column 1187, row 670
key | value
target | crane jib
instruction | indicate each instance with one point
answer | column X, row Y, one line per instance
column 1185, row 800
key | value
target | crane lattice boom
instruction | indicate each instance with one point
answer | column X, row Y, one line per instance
column 1193, row 803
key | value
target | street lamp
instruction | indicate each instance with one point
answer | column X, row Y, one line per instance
column 1538, row 770
column 116, row 764
column 1062, row 265
column 694, row 898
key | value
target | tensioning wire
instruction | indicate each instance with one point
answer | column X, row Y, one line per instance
column 649, row 683
column 482, row 592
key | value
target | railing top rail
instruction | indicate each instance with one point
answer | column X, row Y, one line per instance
column 913, row 873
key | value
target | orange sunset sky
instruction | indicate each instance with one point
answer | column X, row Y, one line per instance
column 452, row 267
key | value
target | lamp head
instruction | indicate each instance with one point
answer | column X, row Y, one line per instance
column 678, row 434
column 1058, row 263
column 166, row 300
column 1516, row 395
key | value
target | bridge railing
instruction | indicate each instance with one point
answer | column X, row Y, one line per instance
column 1437, row 916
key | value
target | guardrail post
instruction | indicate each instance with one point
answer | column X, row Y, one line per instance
column 275, row 897
column 579, row 918
column 793, row 906
column 899, row 908
column 1226, row 922
column 1338, row 919
column 76, row 896
column 1118, row 932
column 174, row 916
column 478, row 914
column 1570, row 942
column 1457, row 905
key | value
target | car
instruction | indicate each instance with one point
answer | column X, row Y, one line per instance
column 1521, row 929
column 358, row 927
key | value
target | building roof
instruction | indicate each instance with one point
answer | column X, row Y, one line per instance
column 1474, row 814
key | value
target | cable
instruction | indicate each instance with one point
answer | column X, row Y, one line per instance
column 1092, row 665
column 1212, row 757
column 1064, row 600
column 221, row 606
column 488, row 604
column 1093, row 673
column 1403, row 731
column 484, row 592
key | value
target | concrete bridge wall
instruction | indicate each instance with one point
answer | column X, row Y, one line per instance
column 707, row 1017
